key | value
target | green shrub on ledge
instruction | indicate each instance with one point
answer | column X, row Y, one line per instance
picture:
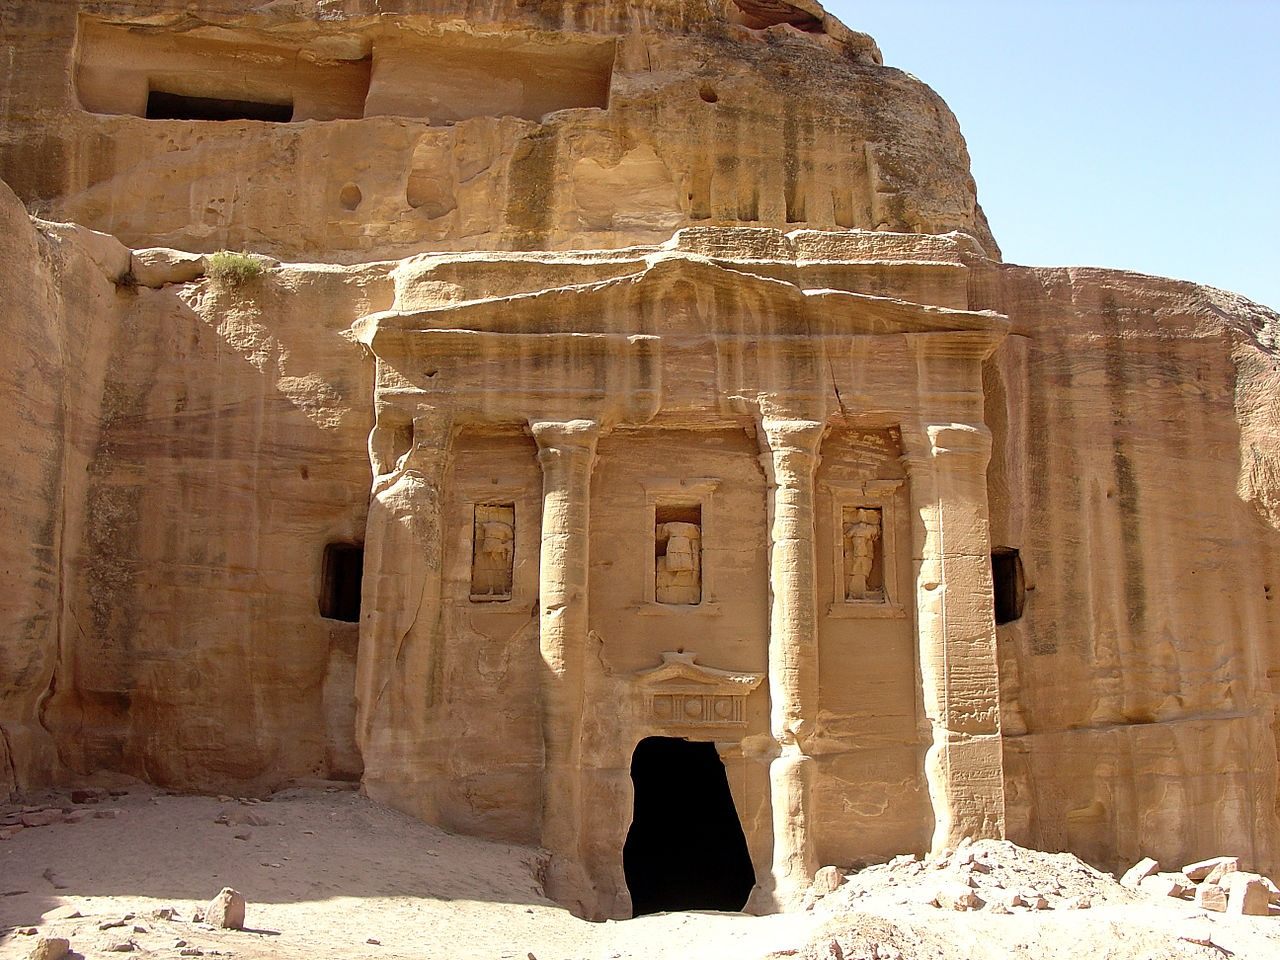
column 231, row 269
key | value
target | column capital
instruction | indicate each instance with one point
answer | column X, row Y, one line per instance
column 802, row 436
column 565, row 433
column 924, row 442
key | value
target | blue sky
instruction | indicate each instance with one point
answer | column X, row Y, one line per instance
column 1133, row 134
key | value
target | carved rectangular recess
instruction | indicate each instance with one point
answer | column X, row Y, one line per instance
column 493, row 552
column 215, row 74
column 681, row 514
column 341, row 579
column 677, row 551
column 232, row 73
column 864, row 550
column 460, row 76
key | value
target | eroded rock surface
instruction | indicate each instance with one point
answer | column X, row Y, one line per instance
column 448, row 125
column 691, row 402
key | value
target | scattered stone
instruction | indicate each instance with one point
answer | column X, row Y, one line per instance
column 28, row 931
column 827, row 880
column 106, row 814
column 1138, row 872
column 191, row 952
column 42, row 818
column 226, row 910
column 111, row 924
column 50, row 948
column 164, row 913
column 64, row 912
column 121, row 946
column 1077, row 903
column 1199, row 931
column 1272, row 889
column 1247, row 895
column 1200, row 869
column 995, row 906
column 89, row 795
column 376, row 943
column 1210, row 896
column 76, row 816
column 1224, row 866
column 139, row 928
column 53, row 880
column 1164, row 885
column 958, row 897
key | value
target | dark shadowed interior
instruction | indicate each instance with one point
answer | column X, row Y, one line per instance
column 685, row 849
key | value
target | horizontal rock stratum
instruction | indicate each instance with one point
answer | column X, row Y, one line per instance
column 613, row 429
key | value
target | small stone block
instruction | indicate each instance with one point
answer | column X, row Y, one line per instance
column 226, row 910
column 1200, row 869
column 1224, row 866
column 1210, row 896
column 50, row 948
column 827, row 880
column 1140, row 870
column 1248, row 896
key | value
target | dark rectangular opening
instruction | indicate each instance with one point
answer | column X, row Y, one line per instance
column 341, row 580
column 1008, row 584
column 176, row 106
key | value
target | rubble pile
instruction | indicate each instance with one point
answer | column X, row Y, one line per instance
column 993, row 875
column 1216, row 884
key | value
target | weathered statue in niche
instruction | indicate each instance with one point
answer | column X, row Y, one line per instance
column 863, row 554
column 678, row 564
column 493, row 551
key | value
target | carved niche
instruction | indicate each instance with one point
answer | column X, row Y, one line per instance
column 683, row 694
column 493, row 551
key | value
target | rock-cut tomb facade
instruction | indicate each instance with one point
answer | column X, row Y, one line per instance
column 633, row 445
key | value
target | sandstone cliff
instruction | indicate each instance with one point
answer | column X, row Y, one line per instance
column 453, row 124
column 722, row 257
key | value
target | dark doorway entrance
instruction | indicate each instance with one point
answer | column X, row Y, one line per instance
column 685, row 849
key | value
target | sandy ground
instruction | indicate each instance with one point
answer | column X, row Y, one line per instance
column 329, row 874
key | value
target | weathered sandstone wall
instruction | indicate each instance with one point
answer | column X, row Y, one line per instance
column 178, row 459
column 451, row 125
column 1135, row 425
column 799, row 410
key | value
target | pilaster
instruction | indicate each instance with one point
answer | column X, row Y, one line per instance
column 956, row 629
column 790, row 457
column 566, row 453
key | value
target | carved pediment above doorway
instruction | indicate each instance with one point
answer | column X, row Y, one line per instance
column 681, row 693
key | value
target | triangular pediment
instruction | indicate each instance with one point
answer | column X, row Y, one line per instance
column 680, row 669
column 679, row 294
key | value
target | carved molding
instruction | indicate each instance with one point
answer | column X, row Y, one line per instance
column 684, row 694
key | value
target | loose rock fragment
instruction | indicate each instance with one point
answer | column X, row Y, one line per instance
column 1210, row 896
column 226, row 910
column 50, row 948
column 958, row 897
column 42, row 818
column 1165, row 885
column 1139, row 871
column 1224, row 866
column 1247, row 895
column 827, row 880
